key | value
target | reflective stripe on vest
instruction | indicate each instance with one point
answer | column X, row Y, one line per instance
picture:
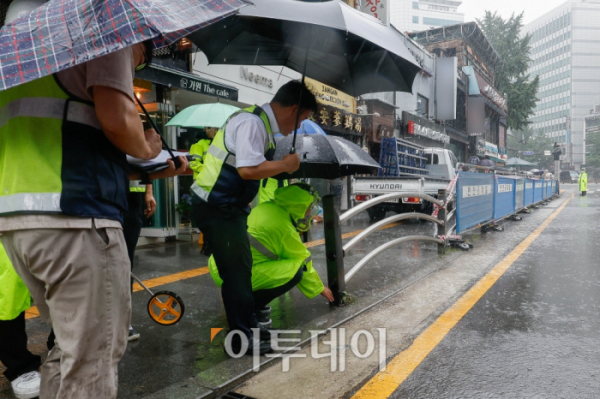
column 261, row 248
column 308, row 260
column 54, row 108
column 30, row 202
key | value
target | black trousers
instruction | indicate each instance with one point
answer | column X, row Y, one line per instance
column 13, row 349
column 226, row 230
column 263, row 297
column 133, row 222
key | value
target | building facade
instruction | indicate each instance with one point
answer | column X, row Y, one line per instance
column 480, row 108
column 419, row 15
column 565, row 54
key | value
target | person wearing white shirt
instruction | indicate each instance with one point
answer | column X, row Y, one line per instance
column 240, row 155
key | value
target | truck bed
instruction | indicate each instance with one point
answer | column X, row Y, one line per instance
column 386, row 185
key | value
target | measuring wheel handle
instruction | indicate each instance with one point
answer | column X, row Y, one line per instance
column 166, row 308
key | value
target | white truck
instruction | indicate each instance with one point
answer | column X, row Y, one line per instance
column 441, row 167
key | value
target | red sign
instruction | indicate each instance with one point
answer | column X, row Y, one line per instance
column 411, row 127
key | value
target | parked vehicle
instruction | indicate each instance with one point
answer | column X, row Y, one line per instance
column 569, row 176
column 441, row 168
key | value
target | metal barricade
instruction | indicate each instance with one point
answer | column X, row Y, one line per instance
column 335, row 250
column 519, row 194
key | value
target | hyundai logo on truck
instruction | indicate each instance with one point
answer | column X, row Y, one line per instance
column 385, row 186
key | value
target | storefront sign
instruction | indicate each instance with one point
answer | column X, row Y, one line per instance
column 491, row 93
column 327, row 95
column 337, row 120
column 186, row 81
column 491, row 150
column 255, row 77
column 377, row 9
column 422, row 127
column 476, row 119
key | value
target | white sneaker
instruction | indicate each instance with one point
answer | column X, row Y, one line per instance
column 27, row 386
column 133, row 334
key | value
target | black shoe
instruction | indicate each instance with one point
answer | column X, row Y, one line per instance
column 265, row 333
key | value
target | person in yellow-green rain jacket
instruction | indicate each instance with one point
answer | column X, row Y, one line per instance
column 266, row 192
column 280, row 261
column 200, row 149
column 21, row 365
column 583, row 178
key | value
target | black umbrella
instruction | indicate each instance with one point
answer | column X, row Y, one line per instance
column 325, row 157
column 345, row 48
column 329, row 41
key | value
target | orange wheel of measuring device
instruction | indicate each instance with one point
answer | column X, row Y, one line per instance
column 166, row 308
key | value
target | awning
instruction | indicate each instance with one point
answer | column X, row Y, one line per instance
column 186, row 81
column 497, row 159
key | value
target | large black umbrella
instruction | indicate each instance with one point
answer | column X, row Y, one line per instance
column 329, row 41
column 325, row 157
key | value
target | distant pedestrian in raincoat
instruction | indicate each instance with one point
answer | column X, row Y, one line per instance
column 583, row 178
column 280, row 260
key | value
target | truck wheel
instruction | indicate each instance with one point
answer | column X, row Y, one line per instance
column 376, row 213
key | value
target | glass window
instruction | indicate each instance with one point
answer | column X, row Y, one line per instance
column 416, row 5
column 415, row 20
column 422, row 106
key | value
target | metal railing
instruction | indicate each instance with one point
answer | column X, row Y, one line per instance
column 335, row 251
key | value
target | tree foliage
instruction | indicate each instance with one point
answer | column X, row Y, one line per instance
column 512, row 78
column 528, row 140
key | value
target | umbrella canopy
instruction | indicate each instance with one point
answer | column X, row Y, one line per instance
column 307, row 127
column 203, row 115
column 518, row 162
column 325, row 157
column 345, row 48
column 64, row 33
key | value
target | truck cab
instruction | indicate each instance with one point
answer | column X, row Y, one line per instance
column 441, row 163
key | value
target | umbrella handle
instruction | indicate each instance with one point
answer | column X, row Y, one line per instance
column 175, row 159
column 293, row 150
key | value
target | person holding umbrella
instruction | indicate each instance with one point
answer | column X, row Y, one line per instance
column 72, row 131
column 240, row 155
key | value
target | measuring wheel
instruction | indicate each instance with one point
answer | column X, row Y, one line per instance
column 166, row 308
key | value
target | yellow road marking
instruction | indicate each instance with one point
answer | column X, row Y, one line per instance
column 171, row 278
column 384, row 383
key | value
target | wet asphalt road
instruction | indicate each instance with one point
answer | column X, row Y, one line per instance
column 535, row 333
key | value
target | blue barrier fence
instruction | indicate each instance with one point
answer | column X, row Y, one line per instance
column 504, row 197
column 538, row 190
column 474, row 199
column 528, row 193
column 485, row 197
